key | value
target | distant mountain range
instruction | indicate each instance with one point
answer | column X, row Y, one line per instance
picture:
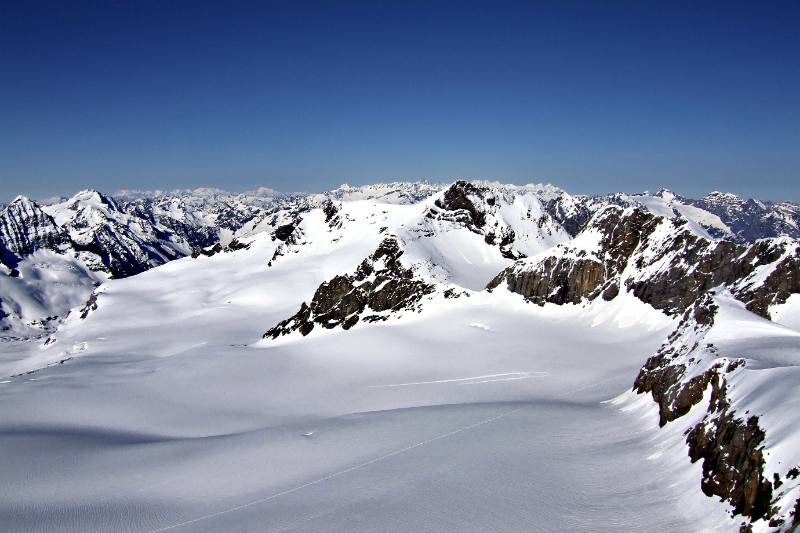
column 724, row 269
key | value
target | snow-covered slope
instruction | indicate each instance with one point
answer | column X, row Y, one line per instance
column 727, row 380
column 477, row 413
column 45, row 287
column 332, row 362
column 664, row 263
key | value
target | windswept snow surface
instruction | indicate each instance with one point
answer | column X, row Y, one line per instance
column 480, row 413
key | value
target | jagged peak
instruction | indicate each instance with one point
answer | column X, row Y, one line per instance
column 92, row 198
column 22, row 207
column 22, row 201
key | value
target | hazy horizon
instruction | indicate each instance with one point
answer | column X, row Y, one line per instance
column 264, row 188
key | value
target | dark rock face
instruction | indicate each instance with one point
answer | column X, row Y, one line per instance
column 458, row 203
column 478, row 209
column 556, row 280
column 661, row 375
column 783, row 280
column 284, row 232
column 575, row 275
column 379, row 284
column 621, row 235
column 289, row 234
column 332, row 217
column 698, row 265
column 733, row 463
column 232, row 246
column 573, row 220
column 89, row 306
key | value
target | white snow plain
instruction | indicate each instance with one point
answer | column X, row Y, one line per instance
column 481, row 413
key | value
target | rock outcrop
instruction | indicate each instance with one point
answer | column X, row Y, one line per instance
column 232, row 246
column 659, row 261
column 380, row 284
column 556, row 280
column 730, row 444
column 460, row 204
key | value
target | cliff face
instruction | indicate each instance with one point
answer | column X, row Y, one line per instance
column 557, row 280
column 460, row 204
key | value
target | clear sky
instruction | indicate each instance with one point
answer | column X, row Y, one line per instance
column 592, row 96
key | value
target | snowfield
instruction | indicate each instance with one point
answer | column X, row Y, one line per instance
column 316, row 434
column 158, row 406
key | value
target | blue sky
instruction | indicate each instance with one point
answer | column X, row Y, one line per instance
column 591, row 96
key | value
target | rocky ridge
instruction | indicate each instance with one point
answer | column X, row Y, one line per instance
column 380, row 285
column 660, row 261
column 25, row 228
column 666, row 265
column 689, row 372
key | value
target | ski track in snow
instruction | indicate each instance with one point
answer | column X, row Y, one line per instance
column 383, row 457
column 512, row 376
column 340, row 472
